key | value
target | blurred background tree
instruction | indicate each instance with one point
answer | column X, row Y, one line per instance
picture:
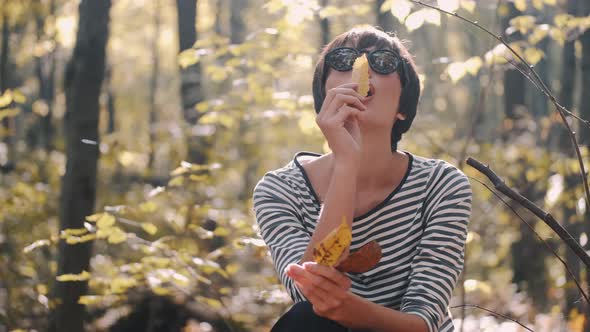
column 192, row 101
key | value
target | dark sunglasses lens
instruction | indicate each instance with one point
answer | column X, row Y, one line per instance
column 384, row 62
column 341, row 59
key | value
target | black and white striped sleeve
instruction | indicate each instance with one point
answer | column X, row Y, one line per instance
column 280, row 227
column 440, row 253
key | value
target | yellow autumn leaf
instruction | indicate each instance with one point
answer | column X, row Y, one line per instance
column 561, row 20
column 329, row 250
column 18, row 97
column 105, row 221
column 401, row 9
column 448, row 5
column 456, row 71
column 533, row 55
column 523, row 23
column 520, row 5
column 360, row 74
column 538, row 4
column 120, row 285
column 94, row 217
column 414, row 21
column 149, row 228
column 539, row 34
column 72, row 231
column 558, row 35
column 468, row 5
column 551, row 2
column 9, row 113
column 473, row 65
column 6, row 98
column 84, row 275
column 89, row 299
column 117, row 236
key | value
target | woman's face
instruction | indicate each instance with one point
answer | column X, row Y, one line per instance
column 382, row 105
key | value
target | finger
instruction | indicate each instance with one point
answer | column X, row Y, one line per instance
column 327, row 272
column 345, row 89
column 320, row 299
column 314, row 281
column 343, row 99
column 344, row 113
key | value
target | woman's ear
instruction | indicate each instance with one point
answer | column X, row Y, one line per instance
column 400, row 116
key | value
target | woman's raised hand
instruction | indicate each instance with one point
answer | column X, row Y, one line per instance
column 338, row 120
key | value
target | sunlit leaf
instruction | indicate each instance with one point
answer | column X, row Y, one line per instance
column 9, row 113
column 105, row 221
column 401, row 9
column 149, row 228
column 473, row 65
column 117, row 236
column 188, row 58
column 35, row 245
column 561, row 20
column 448, row 5
column 121, row 284
column 503, row 10
column 468, row 5
column 414, row 21
column 520, row 5
column 386, row 6
column 221, row 231
column 72, row 231
column 558, row 35
column 6, row 98
column 213, row 303
column 360, row 74
column 84, row 275
column 551, row 2
column 538, row 4
column 456, row 71
column 538, row 34
column 523, row 23
column 94, row 217
column 89, row 299
column 533, row 55
column 148, row 207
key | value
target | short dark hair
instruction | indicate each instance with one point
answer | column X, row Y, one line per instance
column 366, row 37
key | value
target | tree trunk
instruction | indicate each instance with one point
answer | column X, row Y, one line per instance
column 6, row 123
column 325, row 27
column 110, row 98
column 154, row 83
column 45, row 69
column 528, row 257
column 83, row 79
column 191, row 80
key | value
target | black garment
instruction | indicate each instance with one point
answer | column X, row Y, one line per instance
column 302, row 318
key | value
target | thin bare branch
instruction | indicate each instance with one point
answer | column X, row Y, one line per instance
column 501, row 186
column 493, row 313
column 567, row 268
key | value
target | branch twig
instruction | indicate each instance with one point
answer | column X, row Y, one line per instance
column 546, row 217
column 491, row 312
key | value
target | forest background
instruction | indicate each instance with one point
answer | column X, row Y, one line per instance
column 132, row 134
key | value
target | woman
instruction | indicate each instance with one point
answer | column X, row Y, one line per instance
column 416, row 208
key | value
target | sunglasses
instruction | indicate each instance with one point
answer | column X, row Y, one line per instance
column 381, row 61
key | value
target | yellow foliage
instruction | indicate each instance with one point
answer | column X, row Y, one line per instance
column 468, row 5
column 448, row 5
column 105, row 221
column 360, row 74
column 84, row 275
column 400, row 9
column 523, row 23
column 538, row 34
column 120, row 285
column 149, row 228
column 9, row 113
column 533, row 55
column 538, row 4
column 329, row 250
column 520, row 5
column 117, row 236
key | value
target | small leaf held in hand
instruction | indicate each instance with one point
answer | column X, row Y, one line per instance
column 360, row 74
column 361, row 260
column 329, row 250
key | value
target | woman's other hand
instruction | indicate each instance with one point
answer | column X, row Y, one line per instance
column 325, row 288
column 338, row 121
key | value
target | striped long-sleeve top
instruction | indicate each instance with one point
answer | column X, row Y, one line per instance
column 421, row 228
